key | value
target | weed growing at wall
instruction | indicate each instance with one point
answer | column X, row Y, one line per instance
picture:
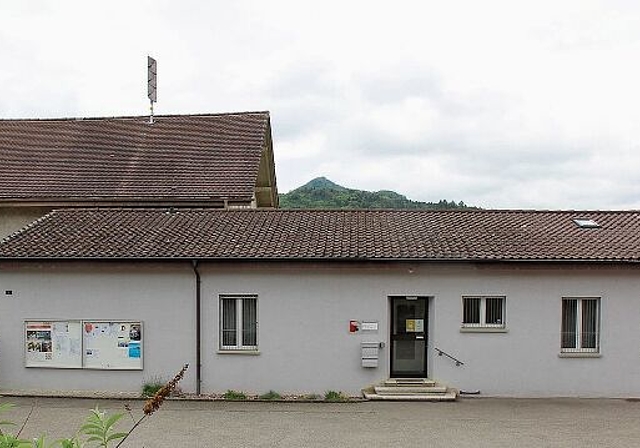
column 151, row 387
column 234, row 395
column 332, row 395
column 271, row 395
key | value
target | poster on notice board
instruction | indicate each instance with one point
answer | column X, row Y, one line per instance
column 112, row 345
column 55, row 344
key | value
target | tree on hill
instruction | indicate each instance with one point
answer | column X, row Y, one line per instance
column 323, row 193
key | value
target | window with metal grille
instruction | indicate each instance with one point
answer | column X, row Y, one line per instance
column 580, row 325
column 238, row 322
column 483, row 311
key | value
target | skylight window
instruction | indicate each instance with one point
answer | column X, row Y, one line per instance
column 586, row 223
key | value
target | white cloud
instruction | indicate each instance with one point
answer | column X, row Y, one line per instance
column 496, row 103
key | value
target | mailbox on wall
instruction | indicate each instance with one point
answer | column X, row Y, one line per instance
column 370, row 354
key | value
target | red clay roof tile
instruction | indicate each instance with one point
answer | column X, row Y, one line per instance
column 480, row 235
column 177, row 158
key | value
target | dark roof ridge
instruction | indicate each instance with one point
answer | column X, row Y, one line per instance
column 179, row 208
column 134, row 117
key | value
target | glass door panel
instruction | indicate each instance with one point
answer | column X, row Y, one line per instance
column 409, row 337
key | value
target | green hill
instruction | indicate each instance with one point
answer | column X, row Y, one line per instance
column 322, row 193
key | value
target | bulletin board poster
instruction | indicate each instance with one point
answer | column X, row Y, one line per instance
column 55, row 344
column 112, row 345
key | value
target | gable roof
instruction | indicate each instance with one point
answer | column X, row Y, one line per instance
column 178, row 159
column 421, row 235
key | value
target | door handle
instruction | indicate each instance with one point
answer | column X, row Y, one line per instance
column 419, row 337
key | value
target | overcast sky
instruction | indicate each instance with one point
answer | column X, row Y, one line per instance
column 500, row 104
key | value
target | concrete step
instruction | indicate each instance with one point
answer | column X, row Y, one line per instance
column 450, row 395
column 410, row 389
column 407, row 390
column 408, row 382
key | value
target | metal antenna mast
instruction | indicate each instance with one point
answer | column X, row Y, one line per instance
column 152, row 83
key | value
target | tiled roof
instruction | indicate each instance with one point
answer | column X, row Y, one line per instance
column 177, row 158
column 481, row 235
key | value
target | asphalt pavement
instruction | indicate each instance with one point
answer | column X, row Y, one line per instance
column 474, row 423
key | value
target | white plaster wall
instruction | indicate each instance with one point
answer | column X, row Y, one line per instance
column 15, row 218
column 303, row 316
column 304, row 311
column 160, row 295
column 525, row 361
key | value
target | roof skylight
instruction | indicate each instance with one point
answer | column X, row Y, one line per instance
column 586, row 223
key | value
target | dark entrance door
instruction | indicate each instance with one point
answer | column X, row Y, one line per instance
column 409, row 337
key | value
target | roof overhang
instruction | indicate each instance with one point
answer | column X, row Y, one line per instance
column 114, row 202
column 564, row 262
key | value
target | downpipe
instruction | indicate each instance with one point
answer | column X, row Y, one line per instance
column 194, row 265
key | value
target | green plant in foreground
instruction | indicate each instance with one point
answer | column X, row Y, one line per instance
column 332, row 395
column 3, row 408
column 234, row 395
column 62, row 443
column 69, row 443
column 10, row 441
column 271, row 395
column 100, row 428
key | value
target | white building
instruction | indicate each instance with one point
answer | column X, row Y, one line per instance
column 507, row 303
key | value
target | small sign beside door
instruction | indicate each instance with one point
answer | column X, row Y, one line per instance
column 366, row 326
column 414, row 325
column 369, row 326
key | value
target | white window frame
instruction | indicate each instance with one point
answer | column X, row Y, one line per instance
column 239, row 309
column 579, row 326
column 483, row 313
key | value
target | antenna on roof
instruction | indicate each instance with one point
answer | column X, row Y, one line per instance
column 152, row 83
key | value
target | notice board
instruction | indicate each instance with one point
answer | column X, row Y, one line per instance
column 56, row 344
column 77, row 344
column 112, row 345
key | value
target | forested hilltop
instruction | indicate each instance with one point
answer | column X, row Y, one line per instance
column 322, row 193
